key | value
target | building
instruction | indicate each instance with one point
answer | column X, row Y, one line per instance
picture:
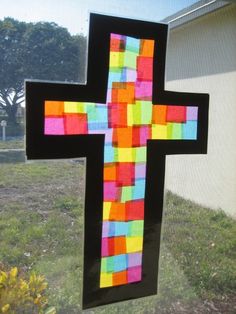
column 201, row 57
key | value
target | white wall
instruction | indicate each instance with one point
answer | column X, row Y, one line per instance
column 201, row 57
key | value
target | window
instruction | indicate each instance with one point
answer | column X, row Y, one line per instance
column 41, row 212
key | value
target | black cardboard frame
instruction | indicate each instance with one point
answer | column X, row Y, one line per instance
column 40, row 146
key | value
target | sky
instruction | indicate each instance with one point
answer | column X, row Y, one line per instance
column 74, row 14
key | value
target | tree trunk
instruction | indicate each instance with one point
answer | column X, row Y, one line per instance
column 11, row 114
column 10, row 103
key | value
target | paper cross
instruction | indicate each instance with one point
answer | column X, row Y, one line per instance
column 125, row 123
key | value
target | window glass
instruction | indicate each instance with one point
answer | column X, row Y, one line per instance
column 41, row 202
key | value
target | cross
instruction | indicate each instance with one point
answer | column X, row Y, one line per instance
column 124, row 123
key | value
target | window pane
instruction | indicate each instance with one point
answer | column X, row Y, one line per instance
column 41, row 203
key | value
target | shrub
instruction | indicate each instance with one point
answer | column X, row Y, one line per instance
column 19, row 295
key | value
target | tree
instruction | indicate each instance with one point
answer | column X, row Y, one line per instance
column 43, row 51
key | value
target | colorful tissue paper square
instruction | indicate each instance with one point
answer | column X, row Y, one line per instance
column 134, row 274
column 54, row 126
column 176, row 114
column 192, row 113
column 134, row 259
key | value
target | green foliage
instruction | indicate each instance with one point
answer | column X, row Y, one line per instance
column 19, row 295
column 42, row 51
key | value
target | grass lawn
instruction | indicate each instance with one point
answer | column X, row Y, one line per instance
column 41, row 226
column 14, row 143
